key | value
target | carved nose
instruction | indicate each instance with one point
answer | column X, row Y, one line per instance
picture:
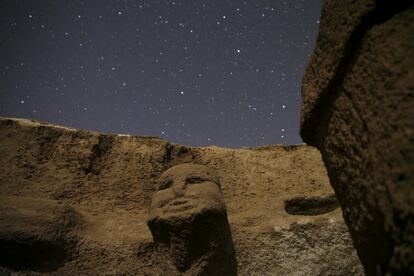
column 179, row 188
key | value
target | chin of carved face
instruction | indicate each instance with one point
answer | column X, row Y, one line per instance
column 186, row 190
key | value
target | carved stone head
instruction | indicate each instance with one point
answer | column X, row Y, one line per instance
column 188, row 222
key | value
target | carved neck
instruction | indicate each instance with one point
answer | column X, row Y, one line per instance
column 195, row 245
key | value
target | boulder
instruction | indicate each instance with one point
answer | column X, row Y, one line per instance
column 358, row 110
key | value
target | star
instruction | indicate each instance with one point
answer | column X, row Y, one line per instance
column 156, row 67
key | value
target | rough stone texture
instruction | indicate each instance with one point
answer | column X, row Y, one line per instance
column 358, row 109
column 109, row 180
column 36, row 234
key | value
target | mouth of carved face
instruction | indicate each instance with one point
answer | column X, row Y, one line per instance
column 179, row 201
column 180, row 205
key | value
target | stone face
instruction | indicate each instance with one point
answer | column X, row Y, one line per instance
column 179, row 198
column 188, row 222
column 358, row 109
column 110, row 181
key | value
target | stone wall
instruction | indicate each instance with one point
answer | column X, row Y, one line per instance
column 86, row 197
column 358, row 109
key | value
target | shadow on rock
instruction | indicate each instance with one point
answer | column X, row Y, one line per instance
column 36, row 234
column 311, row 206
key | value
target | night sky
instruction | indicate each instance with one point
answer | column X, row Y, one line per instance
column 194, row 72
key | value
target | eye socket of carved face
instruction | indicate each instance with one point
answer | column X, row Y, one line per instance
column 194, row 179
column 165, row 184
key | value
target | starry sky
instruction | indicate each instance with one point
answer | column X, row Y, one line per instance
column 195, row 72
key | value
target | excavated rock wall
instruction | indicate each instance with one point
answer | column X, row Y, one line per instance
column 358, row 110
column 87, row 195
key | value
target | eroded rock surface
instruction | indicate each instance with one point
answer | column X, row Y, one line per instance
column 110, row 182
column 36, row 234
column 358, row 109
